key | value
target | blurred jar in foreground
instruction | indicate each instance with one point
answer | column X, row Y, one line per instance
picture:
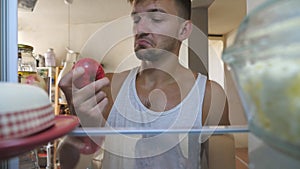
column 265, row 61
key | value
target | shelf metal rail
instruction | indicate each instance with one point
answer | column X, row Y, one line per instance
column 206, row 130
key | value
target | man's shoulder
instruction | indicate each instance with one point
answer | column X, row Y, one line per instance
column 213, row 85
column 116, row 81
column 215, row 101
column 118, row 77
column 213, row 88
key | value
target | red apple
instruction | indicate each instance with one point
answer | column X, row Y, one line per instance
column 90, row 146
column 92, row 71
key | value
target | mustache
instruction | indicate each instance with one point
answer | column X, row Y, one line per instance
column 143, row 36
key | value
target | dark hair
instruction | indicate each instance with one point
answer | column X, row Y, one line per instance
column 184, row 7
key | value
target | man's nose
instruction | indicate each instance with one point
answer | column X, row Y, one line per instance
column 142, row 26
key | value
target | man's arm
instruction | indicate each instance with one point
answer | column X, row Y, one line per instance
column 88, row 103
column 82, row 102
column 215, row 112
column 112, row 90
column 215, row 105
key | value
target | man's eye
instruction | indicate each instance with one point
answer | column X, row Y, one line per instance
column 136, row 18
column 156, row 17
column 157, row 20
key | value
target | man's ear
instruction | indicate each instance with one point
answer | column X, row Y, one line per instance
column 185, row 30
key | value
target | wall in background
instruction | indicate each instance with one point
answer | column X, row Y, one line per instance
column 44, row 36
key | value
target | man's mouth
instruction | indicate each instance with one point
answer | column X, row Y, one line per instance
column 143, row 43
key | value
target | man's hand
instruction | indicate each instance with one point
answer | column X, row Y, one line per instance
column 88, row 102
column 70, row 148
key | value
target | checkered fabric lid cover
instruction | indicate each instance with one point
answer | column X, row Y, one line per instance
column 24, row 110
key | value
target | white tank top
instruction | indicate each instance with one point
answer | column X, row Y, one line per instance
column 164, row 150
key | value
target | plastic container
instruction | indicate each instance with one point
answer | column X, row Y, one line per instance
column 265, row 62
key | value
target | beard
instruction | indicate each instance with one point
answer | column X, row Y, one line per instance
column 151, row 54
column 154, row 54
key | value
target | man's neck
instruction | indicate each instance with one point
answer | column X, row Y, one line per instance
column 159, row 72
column 166, row 63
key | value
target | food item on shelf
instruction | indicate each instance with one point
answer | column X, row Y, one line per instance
column 273, row 86
column 92, row 71
column 24, row 110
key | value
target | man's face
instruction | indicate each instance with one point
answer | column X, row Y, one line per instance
column 156, row 28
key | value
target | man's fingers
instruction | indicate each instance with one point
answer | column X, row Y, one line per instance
column 101, row 83
column 89, row 91
column 102, row 105
column 68, row 78
column 100, row 96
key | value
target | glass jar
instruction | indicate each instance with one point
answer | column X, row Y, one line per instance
column 50, row 58
column 265, row 60
column 26, row 63
column 27, row 70
column 26, row 60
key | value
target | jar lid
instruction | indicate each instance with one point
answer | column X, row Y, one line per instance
column 23, row 47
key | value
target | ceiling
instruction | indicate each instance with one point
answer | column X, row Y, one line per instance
column 223, row 15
